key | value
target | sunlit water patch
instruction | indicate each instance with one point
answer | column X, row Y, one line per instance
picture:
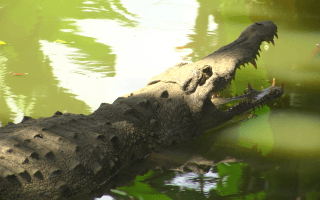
column 193, row 181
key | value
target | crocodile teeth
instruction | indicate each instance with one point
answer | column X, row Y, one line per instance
column 258, row 53
column 276, row 35
column 254, row 64
column 281, row 86
column 274, row 82
column 214, row 95
column 249, row 86
column 272, row 42
column 260, row 49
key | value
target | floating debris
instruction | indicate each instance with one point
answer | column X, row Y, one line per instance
column 314, row 52
column 18, row 74
column 62, row 42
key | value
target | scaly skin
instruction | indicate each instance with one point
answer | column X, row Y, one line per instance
column 67, row 154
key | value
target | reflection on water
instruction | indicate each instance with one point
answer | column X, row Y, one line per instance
column 193, row 181
column 113, row 47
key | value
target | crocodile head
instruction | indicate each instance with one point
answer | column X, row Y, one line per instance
column 200, row 80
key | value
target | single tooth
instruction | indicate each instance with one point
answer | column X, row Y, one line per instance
column 214, row 95
column 274, row 82
column 281, row 86
column 254, row 64
column 272, row 42
column 258, row 53
column 260, row 49
column 249, row 86
column 276, row 35
column 256, row 58
column 262, row 88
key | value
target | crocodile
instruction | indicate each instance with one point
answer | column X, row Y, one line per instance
column 66, row 155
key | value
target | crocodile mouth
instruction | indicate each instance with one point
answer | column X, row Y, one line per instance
column 252, row 61
column 251, row 98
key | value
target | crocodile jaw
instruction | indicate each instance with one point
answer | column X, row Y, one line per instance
column 224, row 62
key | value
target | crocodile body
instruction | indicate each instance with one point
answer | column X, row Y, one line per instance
column 70, row 154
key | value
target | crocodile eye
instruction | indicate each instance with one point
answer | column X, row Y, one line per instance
column 207, row 70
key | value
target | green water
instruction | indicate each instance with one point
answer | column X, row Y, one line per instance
column 77, row 54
